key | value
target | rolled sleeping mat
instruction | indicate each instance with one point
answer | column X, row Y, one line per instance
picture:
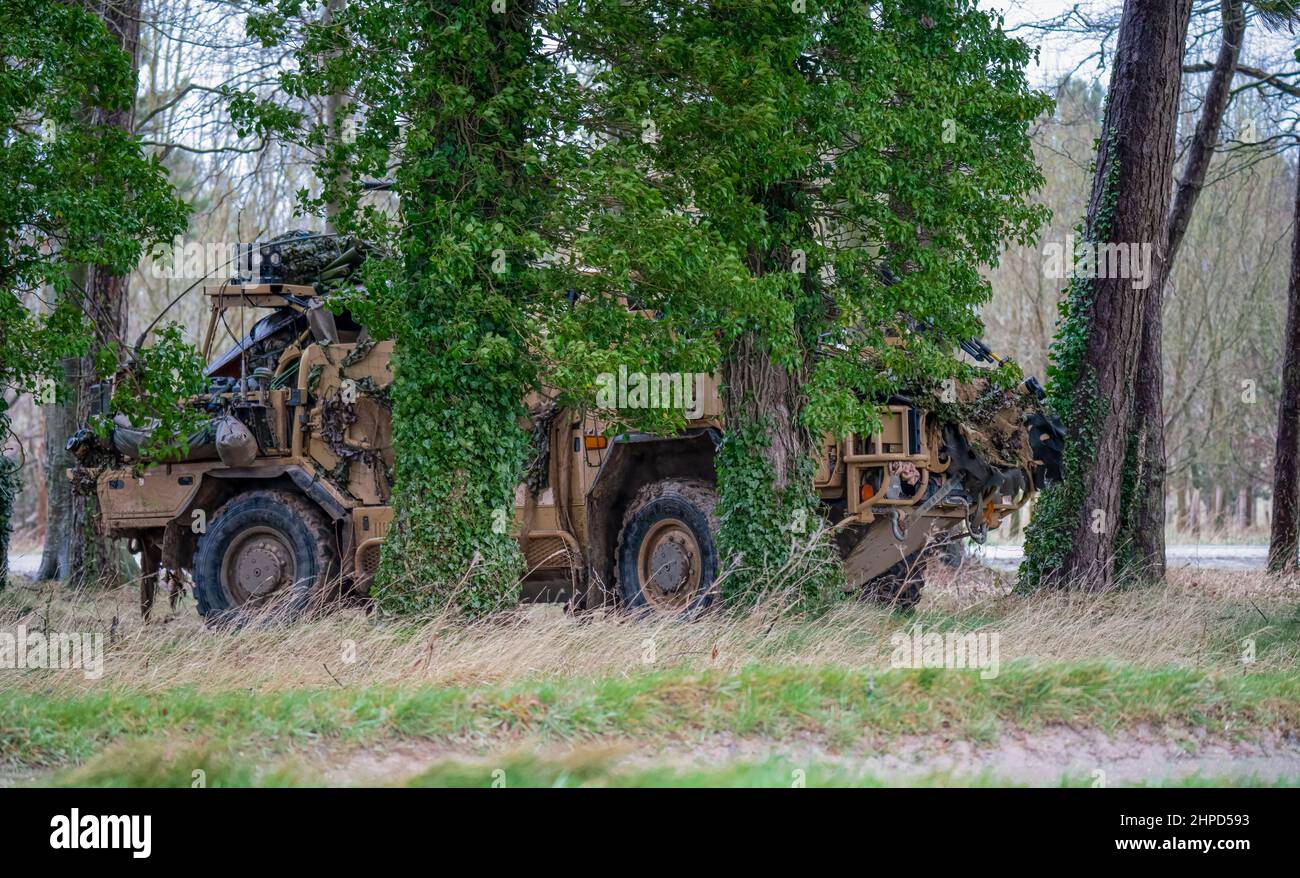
column 128, row 441
column 235, row 443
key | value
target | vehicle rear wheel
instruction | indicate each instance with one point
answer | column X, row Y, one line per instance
column 900, row 585
column 268, row 552
column 667, row 550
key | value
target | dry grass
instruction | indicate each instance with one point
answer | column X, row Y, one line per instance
column 1198, row 620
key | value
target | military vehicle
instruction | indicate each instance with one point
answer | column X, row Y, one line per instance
column 286, row 495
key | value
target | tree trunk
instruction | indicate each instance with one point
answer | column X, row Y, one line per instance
column 1206, row 137
column 85, row 556
column 1130, row 192
column 1148, row 514
column 764, row 485
column 90, row 557
column 60, row 423
column 758, row 391
column 764, row 488
column 451, row 485
column 1284, row 538
column 42, row 495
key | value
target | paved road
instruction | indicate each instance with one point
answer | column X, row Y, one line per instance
column 1206, row 556
column 24, row 564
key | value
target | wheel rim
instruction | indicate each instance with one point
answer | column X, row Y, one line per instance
column 669, row 566
column 258, row 563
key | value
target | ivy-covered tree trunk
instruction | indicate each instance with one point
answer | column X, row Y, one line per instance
column 761, row 391
column 1284, row 538
column 461, row 365
column 765, row 466
column 1147, row 519
column 1077, row 536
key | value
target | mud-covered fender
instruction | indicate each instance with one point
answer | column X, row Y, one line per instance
column 634, row 460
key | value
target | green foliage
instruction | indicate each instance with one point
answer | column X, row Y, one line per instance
column 73, row 190
column 453, row 99
column 770, row 534
column 693, row 190
column 153, row 390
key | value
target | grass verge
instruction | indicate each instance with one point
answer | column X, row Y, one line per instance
column 837, row 705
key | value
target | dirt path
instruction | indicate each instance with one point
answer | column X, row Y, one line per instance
column 1042, row 758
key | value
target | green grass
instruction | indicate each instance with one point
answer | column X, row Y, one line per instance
column 837, row 704
column 156, row 764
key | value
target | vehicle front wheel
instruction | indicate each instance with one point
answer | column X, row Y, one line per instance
column 667, row 550
column 269, row 552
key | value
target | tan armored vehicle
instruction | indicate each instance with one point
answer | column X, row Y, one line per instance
column 287, row 494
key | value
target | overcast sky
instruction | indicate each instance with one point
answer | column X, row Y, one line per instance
column 1059, row 54
column 1064, row 53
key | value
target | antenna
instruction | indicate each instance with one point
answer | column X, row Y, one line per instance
column 139, row 342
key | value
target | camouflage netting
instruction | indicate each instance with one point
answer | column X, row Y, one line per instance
column 337, row 417
column 303, row 257
column 992, row 420
column 339, row 414
column 538, row 468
